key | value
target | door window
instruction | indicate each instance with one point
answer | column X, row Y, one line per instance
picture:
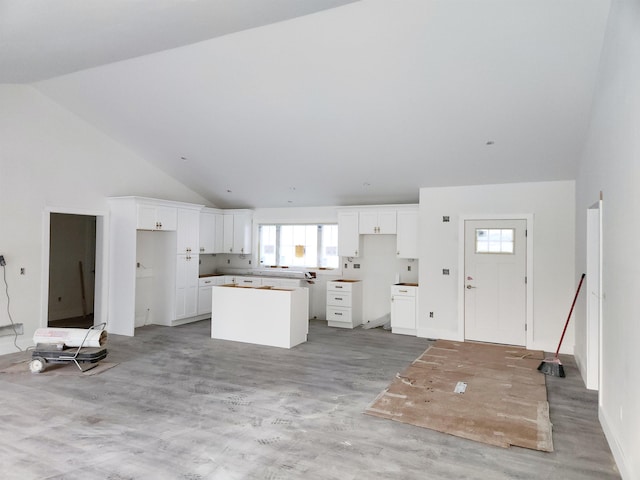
column 495, row 240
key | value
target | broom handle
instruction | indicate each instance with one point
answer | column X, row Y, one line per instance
column 566, row 324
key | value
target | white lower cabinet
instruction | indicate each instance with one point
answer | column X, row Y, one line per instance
column 404, row 309
column 187, row 285
column 204, row 292
column 344, row 303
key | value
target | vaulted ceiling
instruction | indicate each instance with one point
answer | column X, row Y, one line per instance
column 256, row 103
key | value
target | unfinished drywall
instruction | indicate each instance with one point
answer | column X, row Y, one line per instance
column 51, row 159
column 611, row 164
column 552, row 206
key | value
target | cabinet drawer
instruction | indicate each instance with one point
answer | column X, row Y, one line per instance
column 340, row 286
column 402, row 290
column 338, row 314
column 209, row 281
column 338, row 298
column 249, row 282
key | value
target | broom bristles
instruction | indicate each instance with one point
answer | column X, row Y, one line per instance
column 552, row 366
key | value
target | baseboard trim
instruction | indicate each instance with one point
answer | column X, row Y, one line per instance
column 616, row 450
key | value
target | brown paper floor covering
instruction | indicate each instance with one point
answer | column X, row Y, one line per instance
column 505, row 402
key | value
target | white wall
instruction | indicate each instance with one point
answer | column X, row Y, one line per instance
column 52, row 159
column 552, row 205
column 611, row 164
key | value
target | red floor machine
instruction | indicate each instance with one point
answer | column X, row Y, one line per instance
column 64, row 345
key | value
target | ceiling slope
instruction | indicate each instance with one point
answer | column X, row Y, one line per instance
column 361, row 104
column 45, row 39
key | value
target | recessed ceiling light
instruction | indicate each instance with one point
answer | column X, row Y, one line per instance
column 490, row 142
column 228, row 190
column 183, row 158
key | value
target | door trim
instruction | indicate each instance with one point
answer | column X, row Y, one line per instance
column 101, row 272
column 528, row 217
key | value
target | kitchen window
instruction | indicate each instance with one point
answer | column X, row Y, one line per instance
column 303, row 246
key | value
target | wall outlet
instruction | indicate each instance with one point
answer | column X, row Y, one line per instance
column 356, row 265
column 345, row 265
column 445, row 271
column 408, row 268
column 430, row 314
column 22, row 271
column 2, row 261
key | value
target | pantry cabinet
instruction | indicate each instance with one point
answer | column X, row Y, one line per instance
column 188, row 232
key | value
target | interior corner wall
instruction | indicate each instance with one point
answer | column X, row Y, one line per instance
column 552, row 205
column 50, row 158
column 611, row 164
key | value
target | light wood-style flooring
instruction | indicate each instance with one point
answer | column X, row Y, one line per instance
column 180, row 405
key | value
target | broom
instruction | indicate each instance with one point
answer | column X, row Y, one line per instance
column 553, row 366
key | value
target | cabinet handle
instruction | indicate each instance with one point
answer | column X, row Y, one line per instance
column 403, row 291
column 160, row 225
column 202, row 249
column 338, row 286
column 338, row 314
column 337, row 298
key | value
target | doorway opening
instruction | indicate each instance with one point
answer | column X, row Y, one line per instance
column 593, row 369
column 74, row 277
column 72, row 259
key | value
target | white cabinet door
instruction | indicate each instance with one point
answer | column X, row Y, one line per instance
column 237, row 236
column 404, row 307
column 147, row 217
column 348, row 234
column 156, row 217
column 187, row 285
column 211, row 232
column 377, row 222
column 204, row 300
column 167, row 218
column 227, row 237
column 207, row 232
column 242, row 225
column 368, row 222
column 407, row 239
column 188, row 231
column 403, row 312
column 387, row 221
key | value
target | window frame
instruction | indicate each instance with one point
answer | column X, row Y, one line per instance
column 319, row 246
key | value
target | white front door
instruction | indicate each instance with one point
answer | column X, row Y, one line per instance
column 495, row 299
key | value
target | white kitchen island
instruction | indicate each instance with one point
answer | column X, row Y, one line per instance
column 277, row 317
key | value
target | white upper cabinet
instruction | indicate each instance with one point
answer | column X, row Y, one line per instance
column 407, row 236
column 348, row 234
column 153, row 216
column 188, row 234
column 237, row 235
column 377, row 221
column 211, row 231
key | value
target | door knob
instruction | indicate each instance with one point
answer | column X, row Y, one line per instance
column 469, row 287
